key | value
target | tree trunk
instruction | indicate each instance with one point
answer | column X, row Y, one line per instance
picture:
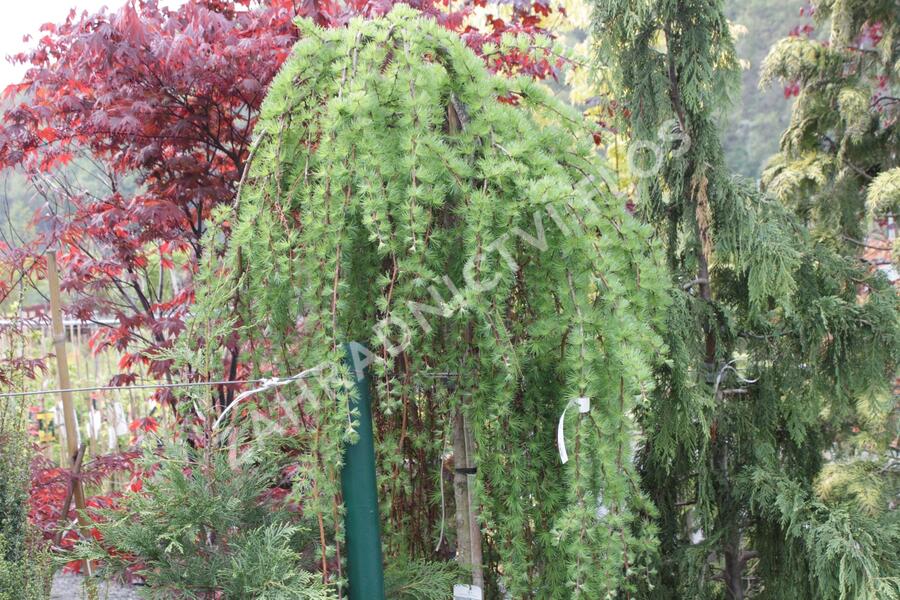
column 734, row 568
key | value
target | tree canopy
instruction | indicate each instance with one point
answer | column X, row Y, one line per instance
column 457, row 223
column 838, row 165
column 773, row 357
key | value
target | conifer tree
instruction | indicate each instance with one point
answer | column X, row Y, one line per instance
column 24, row 571
column 772, row 355
column 460, row 226
column 840, row 153
column 838, row 171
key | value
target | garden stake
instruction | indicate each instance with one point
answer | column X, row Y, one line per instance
column 365, row 571
column 62, row 368
column 67, row 503
column 468, row 532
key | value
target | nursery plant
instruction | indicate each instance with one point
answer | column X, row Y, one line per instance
column 24, row 565
column 460, row 226
column 779, row 346
column 200, row 526
column 24, row 562
column 132, row 125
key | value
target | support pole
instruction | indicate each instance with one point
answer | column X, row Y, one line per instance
column 62, row 369
column 468, row 532
column 70, row 492
column 365, row 570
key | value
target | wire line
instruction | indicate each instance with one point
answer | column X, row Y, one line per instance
column 130, row 387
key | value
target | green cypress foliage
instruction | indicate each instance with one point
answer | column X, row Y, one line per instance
column 839, row 155
column 23, row 562
column 393, row 195
column 203, row 527
column 773, row 357
column 14, row 458
column 24, row 570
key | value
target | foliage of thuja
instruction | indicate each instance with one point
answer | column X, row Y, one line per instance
column 26, row 577
column 203, row 527
column 24, row 568
column 400, row 193
column 839, row 170
column 421, row 580
column 772, row 353
column 13, row 493
column 840, row 154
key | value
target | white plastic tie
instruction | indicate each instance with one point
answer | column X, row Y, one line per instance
column 266, row 384
column 729, row 366
column 584, row 406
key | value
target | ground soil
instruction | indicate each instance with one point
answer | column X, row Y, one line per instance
column 71, row 587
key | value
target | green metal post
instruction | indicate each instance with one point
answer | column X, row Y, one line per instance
column 365, row 571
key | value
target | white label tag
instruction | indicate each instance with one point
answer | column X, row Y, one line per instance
column 466, row 592
column 584, row 406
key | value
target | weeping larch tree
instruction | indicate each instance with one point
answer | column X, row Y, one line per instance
column 461, row 227
column 779, row 346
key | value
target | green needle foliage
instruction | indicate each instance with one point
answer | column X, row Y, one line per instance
column 24, row 560
column 14, row 460
column 202, row 528
column 773, row 355
column 420, row 580
column 839, row 156
column 474, row 246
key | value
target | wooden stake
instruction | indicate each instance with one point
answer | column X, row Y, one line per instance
column 62, row 368
column 477, row 562
column 92, row 437
column 70, row 492
column 468, row 533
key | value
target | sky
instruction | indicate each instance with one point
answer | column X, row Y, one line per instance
column 22, row 17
